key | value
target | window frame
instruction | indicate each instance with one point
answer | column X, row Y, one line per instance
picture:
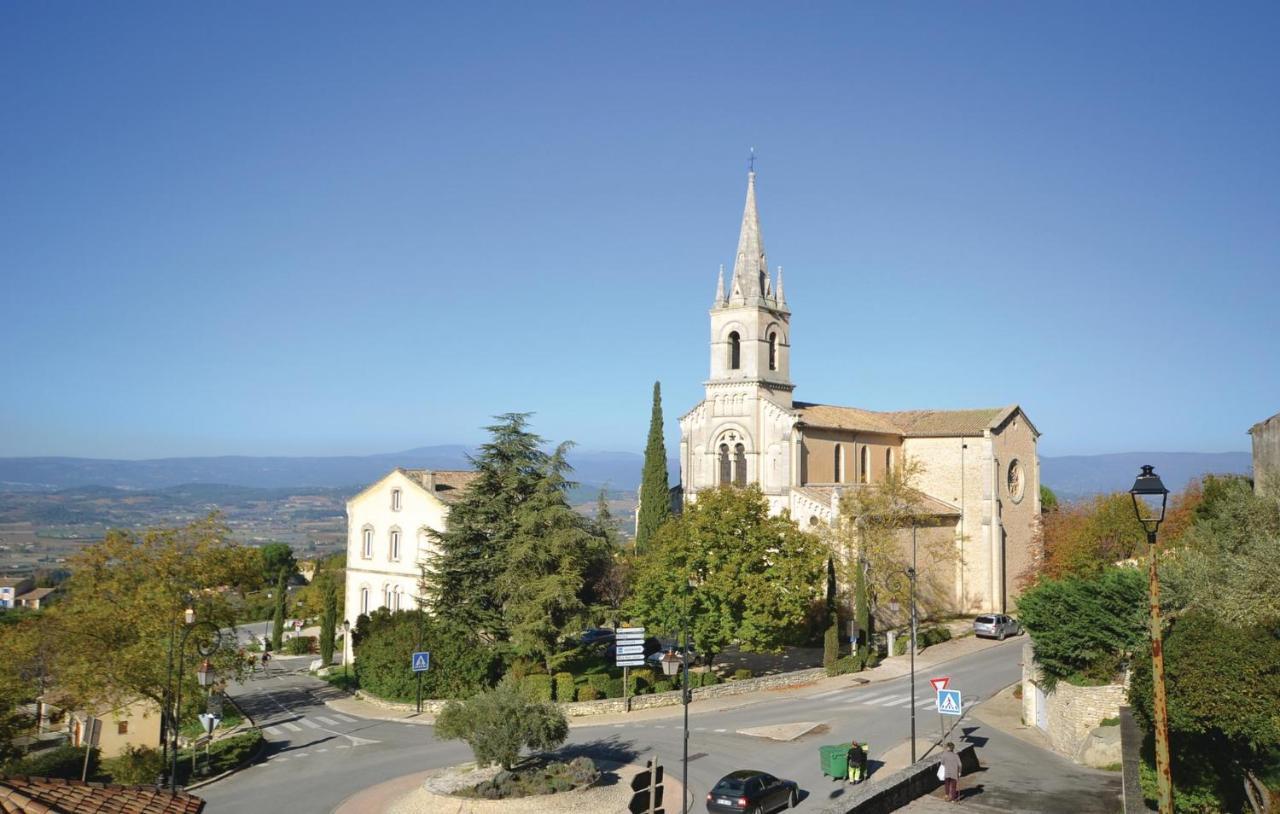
column 397, row 499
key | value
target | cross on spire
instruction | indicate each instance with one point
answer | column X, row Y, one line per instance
column 751, row 161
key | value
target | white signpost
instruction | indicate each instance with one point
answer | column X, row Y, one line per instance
column 628, row 645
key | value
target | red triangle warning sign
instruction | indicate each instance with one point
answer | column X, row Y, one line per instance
column 940, row 683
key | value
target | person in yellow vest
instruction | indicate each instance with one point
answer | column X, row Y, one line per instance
column 857, row 760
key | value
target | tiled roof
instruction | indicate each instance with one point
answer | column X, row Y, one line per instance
column 41, row 795
column 903, row 422
column 10, row 582
column 449, row 483
column 929, row 505
column 38, row 593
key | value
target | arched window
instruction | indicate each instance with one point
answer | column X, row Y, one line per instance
column 739, row 465
column 864, row 466
column 386, row 596
column 364, row 600
column 726, row 473
column 394, row 548
column 839, row 464
column 735, row 350
column 396, row 596
column 366, row 546
column 395, row 500
column 773, row 350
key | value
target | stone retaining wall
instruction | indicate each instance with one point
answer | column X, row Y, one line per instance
column 881, row 796
column 1071, row 712
column 607, row 706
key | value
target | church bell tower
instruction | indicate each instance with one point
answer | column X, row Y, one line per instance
column 750, row 322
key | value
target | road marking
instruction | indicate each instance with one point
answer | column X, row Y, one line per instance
column 300, row 755
column 660, row 726
column 326, row 721
column 875, row 699
column 272, row 731
column 292, row 727
column 342, row 746
column 281, row 759
column 893, row 702
column 310, row 724
column 828, row 694
column 722, row 730
column 618, row 726
column 344, row 718
column 323, row 749
column 699, row 729
column 927, row 703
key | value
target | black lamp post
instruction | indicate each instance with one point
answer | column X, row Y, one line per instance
column 207, row 676
column 671, row 663
column 1149, row 500
column 166, row 723
column 346, row 642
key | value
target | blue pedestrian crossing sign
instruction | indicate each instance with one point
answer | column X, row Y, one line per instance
column 421, row 662
column 949, row 702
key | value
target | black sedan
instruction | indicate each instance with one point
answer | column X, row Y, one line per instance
column 753, row 792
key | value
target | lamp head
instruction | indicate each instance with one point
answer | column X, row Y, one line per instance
column 1149, row 499
column 205, row 674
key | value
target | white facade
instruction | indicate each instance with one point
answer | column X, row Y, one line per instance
column 388, row 537
column 980, row 474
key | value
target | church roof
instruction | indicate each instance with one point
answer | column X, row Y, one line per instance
column 822, row 493
column 750, row 267
column 909, row 423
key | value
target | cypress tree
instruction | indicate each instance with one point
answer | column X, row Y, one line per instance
column 655, row 493
column 863, row 609
column 328, row 620
column 277, row 619
column 831, row 637
column 460, row 583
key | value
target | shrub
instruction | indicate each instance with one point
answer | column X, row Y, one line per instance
column 536, row 687
column 614, row 688
column 1086, row 628
column 65, row 762
column 600, row 683
column 709, row 679
column 300, row 645
column 873, row 659
column 644, row 678
column 830, row 646
column 550, row 779
column 136, row 766
column 634, row 685
column 741, row 674
column 461, row 665
column 588, row 693
column 498, row 723
column 564, row 686
column 662, row 685
column 846, row 664
column 929, row 636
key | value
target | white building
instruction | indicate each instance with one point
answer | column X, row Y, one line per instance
column 388, row 536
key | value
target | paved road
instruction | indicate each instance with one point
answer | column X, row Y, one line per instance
column 317, row 758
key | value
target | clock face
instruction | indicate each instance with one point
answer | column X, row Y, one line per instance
column 1017, row 481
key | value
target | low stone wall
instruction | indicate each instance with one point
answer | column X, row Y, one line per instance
column 607, row 706
column 900, row 788
column 1070, row 712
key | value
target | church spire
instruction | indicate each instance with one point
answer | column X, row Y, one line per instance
column 720, row 287
column 782, row 299
column 750, row 267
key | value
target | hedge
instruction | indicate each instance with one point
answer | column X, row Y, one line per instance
column 64, row 762
column 536, row 687
column 461, row 664
column 564, row 685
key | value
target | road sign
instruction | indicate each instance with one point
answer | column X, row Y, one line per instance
column 421, row 662
column 629, row 631
column 297, row 624
column 209, row 722
column 940, row 683
column 628, row 645
column 630, row 661
column 949, row 702
column 628, row 649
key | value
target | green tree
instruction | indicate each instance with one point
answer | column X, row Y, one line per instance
column 277, row 558
column 754, row 576
column 1048, row 500
column 461, row 582
column 499, row 723
column 655, row 492
column 545, row 585
column 1223, row 685
column 1086, row 629
column 328, row 620
column 831, row 635
column 862, row 608
column 281, row 599
column 461, row 664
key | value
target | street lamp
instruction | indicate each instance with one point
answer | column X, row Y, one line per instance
column 166, row 724
column 1149, row 500
column 670, row 664
column 910, row 575
column 346, row 642
column 203, row 675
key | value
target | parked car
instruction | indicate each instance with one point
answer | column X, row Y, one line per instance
column 996, row 625
column 753, row 792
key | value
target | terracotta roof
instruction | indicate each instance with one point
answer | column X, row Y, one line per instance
column 38, row 593
column 929, row 504
column 449, row 484
column 903, row 422
column 37, row 795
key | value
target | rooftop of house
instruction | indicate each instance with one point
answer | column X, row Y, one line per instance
column 13, row 582
column 20, row 794
column 446, row 484
column 36, row 593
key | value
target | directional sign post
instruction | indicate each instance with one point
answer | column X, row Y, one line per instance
column 949, row 702
column 628, row 646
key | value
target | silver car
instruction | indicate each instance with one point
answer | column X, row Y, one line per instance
column 996, row 625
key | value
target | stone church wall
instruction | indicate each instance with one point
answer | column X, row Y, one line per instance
column 819, row 454
column 1020, row 518
column 1266, row 456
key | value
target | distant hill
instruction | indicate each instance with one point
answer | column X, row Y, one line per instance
column 1076, row 476
column 619, row 470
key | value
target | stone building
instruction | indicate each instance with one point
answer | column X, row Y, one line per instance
column 388, row 536
column 980, row 478
column 1266, row 456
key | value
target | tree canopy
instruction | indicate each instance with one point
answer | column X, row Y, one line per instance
column 655, row 493
column 754, row 576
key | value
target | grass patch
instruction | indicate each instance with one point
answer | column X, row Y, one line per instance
column 230, row 718
column 224, row 755
column 343, row 681
column 1109, row 722
column 1113, row 767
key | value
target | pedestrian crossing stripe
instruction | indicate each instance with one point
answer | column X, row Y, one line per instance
column 949, row 702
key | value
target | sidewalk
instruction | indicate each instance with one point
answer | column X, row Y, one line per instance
column 890, row 668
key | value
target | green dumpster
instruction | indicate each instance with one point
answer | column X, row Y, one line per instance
column 834, row 760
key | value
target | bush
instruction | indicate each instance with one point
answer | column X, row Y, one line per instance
column 564, row 686
column 136, row 766
column 929, row 636
column 600, row 683
column 741, row 674
column 536, row 687
column 65, row 762
column 709, row 679
column 873, row 659
column 644, row 677
column 846, row 664
column 550, row 779
column 614, row 688
column 461, row 664
column 588, row 693
column 1086, row 628
column 498, row 723
column 830, row 646
column 662, row 685
column 300, row 645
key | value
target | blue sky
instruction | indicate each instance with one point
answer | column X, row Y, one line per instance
column 299, row 228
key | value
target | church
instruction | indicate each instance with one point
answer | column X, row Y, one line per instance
column 978, row 470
